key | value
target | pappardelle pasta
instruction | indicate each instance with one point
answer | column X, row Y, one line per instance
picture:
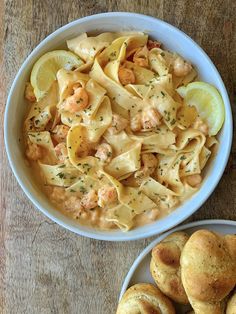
column 114, row 142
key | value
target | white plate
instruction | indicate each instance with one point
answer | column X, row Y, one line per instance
column 139, row 271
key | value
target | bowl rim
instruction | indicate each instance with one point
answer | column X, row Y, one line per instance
column 105, row 235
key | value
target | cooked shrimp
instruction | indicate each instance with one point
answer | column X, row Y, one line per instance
column 78, row 101
column 61, row 152
column 89, row 200
column 181, row 67
column 153, row 44
column 150, row 118
column 29, row 93
column 58, row 194
column 34, row 151
column 149, row 165
column 106, row 195
column 194, row 180
column 136, row 122
column 74, row 206
column 104, row 152
column 126, row 76
column 118, row 124
column 60, row 133
column 141, row 57
column 73, row 203
column 201, row 126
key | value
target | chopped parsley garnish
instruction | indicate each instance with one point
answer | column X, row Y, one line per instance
column 163, row 94
column 113, row 54
column 61, row 175
column 82, row 189
column 79, row 100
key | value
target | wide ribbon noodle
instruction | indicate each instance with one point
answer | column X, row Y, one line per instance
column 177, row 148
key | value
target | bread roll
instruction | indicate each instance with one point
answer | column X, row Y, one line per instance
column 231, row 306
column 144, row 299
column 165, row 266
column 231, row 244
column 208, row 271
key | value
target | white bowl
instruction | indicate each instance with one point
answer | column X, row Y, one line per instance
column 174, row 40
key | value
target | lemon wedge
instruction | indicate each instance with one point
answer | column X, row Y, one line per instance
column 45, row 69
column 208, row 103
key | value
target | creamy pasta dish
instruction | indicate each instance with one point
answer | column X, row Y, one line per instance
column 110, row 132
